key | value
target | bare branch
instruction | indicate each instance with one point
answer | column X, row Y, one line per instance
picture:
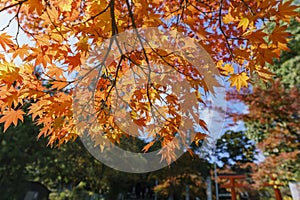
column 222, row 31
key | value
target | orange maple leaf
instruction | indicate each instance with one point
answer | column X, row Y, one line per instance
column 5, row 40
column 22, row 52
column 59, row 84
column 35, row 5
column 11, row 116
column 73, row 61
column 279, row 35
column 286, row 10
column 147, row 147
column 140, row 122
column 198, row 137
column 2, row 57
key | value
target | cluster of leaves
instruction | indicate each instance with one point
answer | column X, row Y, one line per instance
column 63, row 33
column 286, row 69
column 272, row 121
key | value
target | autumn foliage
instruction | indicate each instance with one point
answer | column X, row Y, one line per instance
column 38, row 78
column 277, row 110
column 272, row 122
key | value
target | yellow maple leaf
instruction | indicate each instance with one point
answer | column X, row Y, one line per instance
column 65, row 5
column 226, row 69
column 244, row 23
column 239, row 80
column 9, row 74
column 11, row 116
column 228, row 18
column 83, row 45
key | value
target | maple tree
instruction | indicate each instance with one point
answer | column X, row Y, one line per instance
column 273, row 123
column 64, row 34
column 273, row 118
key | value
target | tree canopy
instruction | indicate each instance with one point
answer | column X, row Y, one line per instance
column 39, row 77
column 272, row 120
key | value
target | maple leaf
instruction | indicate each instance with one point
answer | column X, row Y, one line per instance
column 9, row 74
column 265, row 74
column 257, row 37
column 171, row 99
column 265, row 54
column 139, row 94
column 65, row 5
column 83, row 45
column 36, row 109
column 286, row 10
column 42, row 59
column 73, row 61
column 11, row 116
column 22, row 52
column 239, row 80
column 55, row 72
column 244, row 23
column 228, row 18
column 2, row 57
column 5, row 41
column 140, row 122
column 59, row 84
column 226, row 69
column 53, row 13
column 10, row 98
column 35, row 5
column 198, row 137
column 147, row 147
column 279, row 35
